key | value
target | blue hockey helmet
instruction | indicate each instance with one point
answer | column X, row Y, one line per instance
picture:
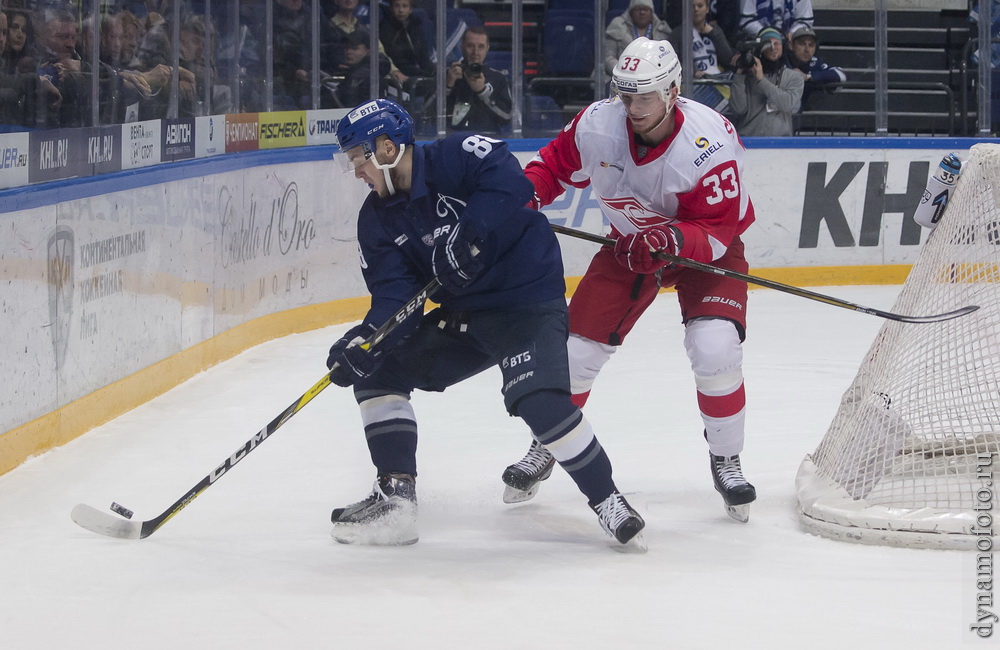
column 368, row 121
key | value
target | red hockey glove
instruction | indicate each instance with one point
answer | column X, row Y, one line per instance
column 634, row 251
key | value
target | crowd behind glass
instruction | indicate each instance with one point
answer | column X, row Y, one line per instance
column 74, row 64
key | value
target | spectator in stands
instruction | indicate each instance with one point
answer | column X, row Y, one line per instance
column 154, row 59
column 133, row 30
column 109, row 39
column 782, row 15
column 801, row 56
column 19, row 90
column 292, row 52
column 765, row 94
column 356, row 86
column 60, row 64
column 710, row 57
column 334, row 41
column 117, row 88
column 725, row 14
column 402, row 36
column 994, row 30
column 194, row 56
column 478, row 96
column 20, row 40
column 638, row 20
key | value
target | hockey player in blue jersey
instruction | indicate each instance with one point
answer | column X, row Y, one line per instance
column 455, row 209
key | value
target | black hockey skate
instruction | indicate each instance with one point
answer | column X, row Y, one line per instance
column 621, row 521
column 736, row 491
column 522, row 478
column 387, row 517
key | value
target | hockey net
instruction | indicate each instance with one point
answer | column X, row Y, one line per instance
column 911, row 455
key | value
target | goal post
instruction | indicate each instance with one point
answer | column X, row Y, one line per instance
column 912, row 456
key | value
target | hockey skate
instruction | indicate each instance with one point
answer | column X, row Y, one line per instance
column 736, row 491
column 387, row 517
column 522, row 478
column 621, row 521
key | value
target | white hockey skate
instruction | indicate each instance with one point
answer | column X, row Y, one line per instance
column 386, row 517
column 621, row 521
column 736, row 491
column 522, row 478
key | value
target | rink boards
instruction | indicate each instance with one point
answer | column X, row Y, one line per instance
column 120, row 286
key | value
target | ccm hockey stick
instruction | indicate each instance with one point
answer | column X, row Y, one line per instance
column 105, row 524
column 771, row 284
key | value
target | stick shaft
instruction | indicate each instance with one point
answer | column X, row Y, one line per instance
column 771, row 284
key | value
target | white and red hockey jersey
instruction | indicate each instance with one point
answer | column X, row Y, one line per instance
column 691, row 180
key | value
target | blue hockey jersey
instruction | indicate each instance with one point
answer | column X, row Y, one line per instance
column 475, row 180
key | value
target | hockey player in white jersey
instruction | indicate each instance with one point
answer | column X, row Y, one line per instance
column 668, row 175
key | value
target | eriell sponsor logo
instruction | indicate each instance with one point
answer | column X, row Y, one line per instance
column 709, row 149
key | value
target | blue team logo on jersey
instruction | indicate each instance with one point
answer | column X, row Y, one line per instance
column 446, row 206
column 701, row 142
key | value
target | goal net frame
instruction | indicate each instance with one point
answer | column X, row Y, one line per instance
column 909, row 459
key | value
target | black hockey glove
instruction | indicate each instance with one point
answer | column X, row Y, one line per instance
column 454, row 258
column 348, row 361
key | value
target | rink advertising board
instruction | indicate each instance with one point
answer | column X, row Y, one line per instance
column 104, row 149
column 209, row 136
column 242, row 132
column 141, row 144
column 813, row 207
column 13, row 159
column 282, row 129
column 321, row 127
column 56, row 154
column 177, row 140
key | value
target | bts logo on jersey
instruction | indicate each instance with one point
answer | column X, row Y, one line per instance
column 519, row 359
column 638, row 215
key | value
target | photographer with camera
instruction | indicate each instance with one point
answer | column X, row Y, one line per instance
column 478, row 96
column 765, row 94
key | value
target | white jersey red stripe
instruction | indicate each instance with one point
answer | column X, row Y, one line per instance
column 693, row 180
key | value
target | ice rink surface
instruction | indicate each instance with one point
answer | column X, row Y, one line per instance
column 251, row 564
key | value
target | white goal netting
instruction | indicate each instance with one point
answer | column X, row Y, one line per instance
column 911, row 456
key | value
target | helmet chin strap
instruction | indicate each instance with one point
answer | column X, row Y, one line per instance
column 666, row 113
column 385, row 168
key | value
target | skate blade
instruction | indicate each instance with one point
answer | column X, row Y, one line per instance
column 740, row 513
column 368, row 535
column 513, row 495
column 635, row 545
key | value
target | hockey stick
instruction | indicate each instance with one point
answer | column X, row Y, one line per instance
column 771, row 284
column 104, row 524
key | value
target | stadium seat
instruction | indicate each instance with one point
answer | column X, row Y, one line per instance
column 502, row 61
column 543, row 116
column 568, row 43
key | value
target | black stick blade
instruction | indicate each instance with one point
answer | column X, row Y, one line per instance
column 937, row 318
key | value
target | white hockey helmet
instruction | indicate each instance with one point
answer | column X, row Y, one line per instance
column 646, row 66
